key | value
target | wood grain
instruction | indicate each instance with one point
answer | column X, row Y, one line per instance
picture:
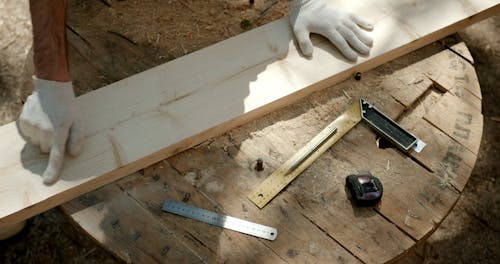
column 227, row 182
column 463, row 122
column 157, row 113
column 277, row 181
column 316, row 221
column 452, row 72
column 444, row 155
column 462, row 50
column 414, row 199
column 215, row 244
column 319, row 195
column 127, row 229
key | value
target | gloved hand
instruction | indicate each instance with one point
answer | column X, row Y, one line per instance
column 49, row 118
column 341, row 28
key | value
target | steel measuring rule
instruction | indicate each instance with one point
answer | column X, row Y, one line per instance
column 212, row 218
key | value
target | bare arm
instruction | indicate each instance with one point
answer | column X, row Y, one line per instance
column 51, row 117
column 49, row 39
column 53, row 91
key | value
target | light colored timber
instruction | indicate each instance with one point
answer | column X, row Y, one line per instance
column 157, row 113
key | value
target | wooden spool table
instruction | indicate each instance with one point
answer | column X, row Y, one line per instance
column 437, row 97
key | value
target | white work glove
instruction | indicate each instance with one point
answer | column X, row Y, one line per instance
column 50, row 117
column 341, row 28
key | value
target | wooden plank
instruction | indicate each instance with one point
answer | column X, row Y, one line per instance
column 444, row 155
column 237, row 79
column 462, row 49
column 227, row 182
column 210, row 169
column 416, row 207
column 214, row 244
column 441, row 70
column 408, row 86
column 409, row 119
column 417, row 211
column 319, row 194
column 277, row 181
column 467, row 97
column 126, row 229
column 208, row 166
column 463, row 122
column 451, row 72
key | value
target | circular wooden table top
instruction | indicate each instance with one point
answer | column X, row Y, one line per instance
column 432, row 92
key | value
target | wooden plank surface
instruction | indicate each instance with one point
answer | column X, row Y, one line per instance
column 462, row 50
column 415, row 199
column 216, row 244
column 219, row 181
column 286, row 173
column 455, row 73
column 315, row 220
column 122, row 226
column 463, row 122
column 319, row 195
column 128, row 130
column 444, row 155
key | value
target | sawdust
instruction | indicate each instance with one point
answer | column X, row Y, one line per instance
column 214, row 187
column 191, row 177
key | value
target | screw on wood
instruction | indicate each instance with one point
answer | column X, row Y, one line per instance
column 357, row 76
column 186, row 197
column 259, row 166
column 165, row 250
column 115, row 223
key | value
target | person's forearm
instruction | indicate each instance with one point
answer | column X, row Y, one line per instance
column 49, row 39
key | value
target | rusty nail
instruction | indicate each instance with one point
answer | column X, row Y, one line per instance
column 357, row 76
column 186, row 197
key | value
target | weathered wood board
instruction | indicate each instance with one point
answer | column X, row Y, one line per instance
column 315, row 220
column 118, row 219
column 464, row 123
column 154, row 114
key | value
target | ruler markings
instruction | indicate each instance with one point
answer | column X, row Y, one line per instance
column 224, row 221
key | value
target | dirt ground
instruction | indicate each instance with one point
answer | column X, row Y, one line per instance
column 470, row 234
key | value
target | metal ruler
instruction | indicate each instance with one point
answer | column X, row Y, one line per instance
column 216, row 219
column 361, row 110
